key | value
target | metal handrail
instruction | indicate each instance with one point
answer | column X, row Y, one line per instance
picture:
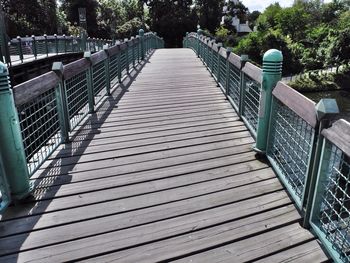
column 309, row 155
column 45, row 111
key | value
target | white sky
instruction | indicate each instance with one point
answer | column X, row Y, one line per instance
column 262, row 4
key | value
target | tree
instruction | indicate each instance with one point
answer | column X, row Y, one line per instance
column 209, row 13
column 172, row 19
column 70, row 7
column 30, row 17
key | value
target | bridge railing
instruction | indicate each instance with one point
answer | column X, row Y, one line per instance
column 310, row 159
column 41, row 114
column 24, row 49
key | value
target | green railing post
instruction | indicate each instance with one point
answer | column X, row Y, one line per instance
column 219, row 65
column 326, row 109
column 46, row 46
column 199, row 33
column 119, row 64
column 127, row 50
column 65, row 43
column 56, row 43
column 132, row 42
column 244, row 59
column 90, row 83
column 34, row 47
column 61, row 100
column 20, row 50
column 272, row 73
column 108, row 77
column 227, row 81
column 11, row 141
column 141, row 34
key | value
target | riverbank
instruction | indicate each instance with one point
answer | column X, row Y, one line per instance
column 331, row 81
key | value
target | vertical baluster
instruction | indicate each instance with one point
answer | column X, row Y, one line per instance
column 141, row 34
column 61, row 99
column 34, row 49
column 107, row 71
column 20, row 50
column 90, row 83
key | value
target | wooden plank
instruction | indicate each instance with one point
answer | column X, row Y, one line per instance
column 339, row 135
column 253, row 71
column 112, row 237
column 252, row 171
column 98, row 57
column 72, row 69
column 71, row 150
column 199, row 240
column 34, row 207
column 223, row 52
column 257, row 246
column 31, row 89
column 308, row 252
column 235, row 60
column 298, row 103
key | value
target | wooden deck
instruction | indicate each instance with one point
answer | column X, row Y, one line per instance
column 163, row 171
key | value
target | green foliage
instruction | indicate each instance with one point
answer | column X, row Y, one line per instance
column 129, row 28
column 172, row 19
column 30, row 17
column 209, row 13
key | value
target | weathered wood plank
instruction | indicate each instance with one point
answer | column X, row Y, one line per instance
column 31, row 89
column 98, row 57
column 74, row 68
column 253, row 71
column 109, row 237
column 201, row 240
column 309, row 252
column 339, row 135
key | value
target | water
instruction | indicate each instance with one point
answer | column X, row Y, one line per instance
column 342, row 97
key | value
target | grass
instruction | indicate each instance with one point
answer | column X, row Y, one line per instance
column 324, row 82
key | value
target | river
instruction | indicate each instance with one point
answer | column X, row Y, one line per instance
column 342, row 97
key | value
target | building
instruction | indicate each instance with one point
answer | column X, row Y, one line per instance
column 241, row 28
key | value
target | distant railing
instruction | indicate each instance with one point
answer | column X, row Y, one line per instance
column 25, row 49
column 40, row 114
column 310, row 156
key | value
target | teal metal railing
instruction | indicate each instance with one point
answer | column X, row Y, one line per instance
column 24, row 49
column 310, row 156
column 39, row 115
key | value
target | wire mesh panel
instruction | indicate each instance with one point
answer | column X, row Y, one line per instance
column 252, row 90
column 289, row 149
column 40, row 46
column 234, row 85
column 4, row 191
column 77, row 98
column 40, row 128
column 331, row 211
column 222, row 68
column 215, row 63
column 99, row 80
column 61, row 43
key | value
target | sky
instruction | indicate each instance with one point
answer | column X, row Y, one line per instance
column 262, row 4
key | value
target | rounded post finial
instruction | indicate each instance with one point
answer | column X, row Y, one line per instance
column 141, row 32
column 272, row 61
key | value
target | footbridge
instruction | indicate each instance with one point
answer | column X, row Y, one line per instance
column 137, row 153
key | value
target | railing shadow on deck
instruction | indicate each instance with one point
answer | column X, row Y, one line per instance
column 49, row 180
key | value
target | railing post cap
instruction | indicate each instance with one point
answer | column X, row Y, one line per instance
column 105, row 47
column 219, row 45
column 18, row 37
column 33, row 36
column 244, row 57
column 229, row 50
column 326, row 108
column 57, row 67
column 273, row 55
column 87, row 54
column 199, row 31
column 3, row 68
column 141, row 32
